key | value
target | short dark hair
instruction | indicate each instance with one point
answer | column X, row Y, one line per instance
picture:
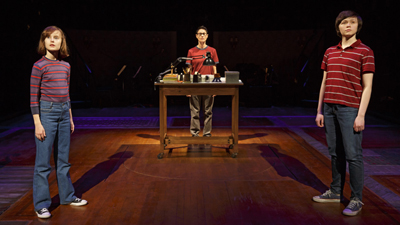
column 201, row 27
column 345, row 14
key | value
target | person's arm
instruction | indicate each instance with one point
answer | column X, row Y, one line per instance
column 214, row 57
column 320, row 114
column 190, row 72
column 359, row 122
column 69, row 100
column 36, row 77
column 71, row 121
column 189, row 64
column 215, row 72
column 216, row 60
column 190, row 68
column 40, row 133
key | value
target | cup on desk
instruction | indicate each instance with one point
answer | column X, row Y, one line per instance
column 195, row 78
column 202, row 78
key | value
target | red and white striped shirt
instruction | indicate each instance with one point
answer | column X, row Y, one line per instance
column 49, row 82
column 344, row 69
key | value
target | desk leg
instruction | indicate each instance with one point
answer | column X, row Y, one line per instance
column 163, row 121
column 235, row 122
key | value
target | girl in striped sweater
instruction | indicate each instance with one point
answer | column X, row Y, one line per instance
column 51, row 110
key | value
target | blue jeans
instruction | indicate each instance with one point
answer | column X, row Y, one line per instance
column 344, row 145
column 56, row 123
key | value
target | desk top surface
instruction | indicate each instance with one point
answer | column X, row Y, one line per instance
column 198, row 84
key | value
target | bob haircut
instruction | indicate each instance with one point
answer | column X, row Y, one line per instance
column 63, row 53
column 345, row 14
column 202, row 27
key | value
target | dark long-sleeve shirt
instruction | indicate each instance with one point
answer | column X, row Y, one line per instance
column 49, row 82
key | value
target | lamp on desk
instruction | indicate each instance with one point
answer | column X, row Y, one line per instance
column 210, row 62
column 207, row 62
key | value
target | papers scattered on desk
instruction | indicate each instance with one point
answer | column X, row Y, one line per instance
column 170, row 78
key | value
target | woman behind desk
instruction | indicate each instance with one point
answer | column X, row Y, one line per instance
column 206, row 101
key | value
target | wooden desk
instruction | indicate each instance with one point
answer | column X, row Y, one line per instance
column 174, row 89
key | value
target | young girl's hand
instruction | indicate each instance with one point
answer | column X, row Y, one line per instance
column 40, row 133
column 72, row 126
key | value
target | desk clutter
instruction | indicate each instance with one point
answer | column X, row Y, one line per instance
column 230, row 77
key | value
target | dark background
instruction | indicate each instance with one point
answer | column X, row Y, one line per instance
column 23, row 21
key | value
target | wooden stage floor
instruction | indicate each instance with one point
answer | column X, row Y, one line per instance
column 271, row 181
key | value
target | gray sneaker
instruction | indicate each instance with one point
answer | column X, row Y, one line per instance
column 328, row 196
column 353, row 208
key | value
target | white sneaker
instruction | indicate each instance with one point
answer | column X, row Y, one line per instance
column 43, row 213
column 78, row 202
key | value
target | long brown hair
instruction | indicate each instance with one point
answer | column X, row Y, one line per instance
column 64, row 51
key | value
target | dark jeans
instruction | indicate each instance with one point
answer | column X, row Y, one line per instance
column 344, row 145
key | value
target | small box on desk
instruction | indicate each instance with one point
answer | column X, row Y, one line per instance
column 231, row 76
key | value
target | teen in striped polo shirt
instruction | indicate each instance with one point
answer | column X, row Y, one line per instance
column 51, row 110
column 344, row 97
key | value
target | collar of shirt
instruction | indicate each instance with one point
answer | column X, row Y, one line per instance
column 355, row 44
column 202, row 48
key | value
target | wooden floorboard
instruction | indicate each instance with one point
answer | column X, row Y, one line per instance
column 390, row 181
column 271, row 181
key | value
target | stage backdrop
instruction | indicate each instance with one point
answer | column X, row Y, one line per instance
column 98, row 56
column 287, row 50
column 281, row 49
